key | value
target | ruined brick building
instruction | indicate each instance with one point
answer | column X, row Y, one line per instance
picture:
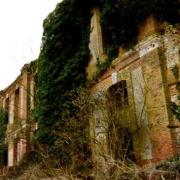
column 143, row 82
column 18, row 100
column 145, row 76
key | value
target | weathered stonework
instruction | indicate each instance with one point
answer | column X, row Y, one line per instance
column 96, row 43
column 147, row 70
column 18, row 101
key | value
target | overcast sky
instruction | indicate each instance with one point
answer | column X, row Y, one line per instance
column 20, row 34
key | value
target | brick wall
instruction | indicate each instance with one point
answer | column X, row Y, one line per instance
column 18, row 102
column 147, row 66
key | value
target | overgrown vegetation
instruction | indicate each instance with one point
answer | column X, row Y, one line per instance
column 171, row 167
column 121, row 19
column 112, row 170
column 175, row 71
column 63, row 60
column 3, row 124
column 176, row 109
column 61, row 69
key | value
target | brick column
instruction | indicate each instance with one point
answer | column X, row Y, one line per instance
column 11, row 109
column 10, row 154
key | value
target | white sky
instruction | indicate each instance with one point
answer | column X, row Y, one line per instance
column 20, row 34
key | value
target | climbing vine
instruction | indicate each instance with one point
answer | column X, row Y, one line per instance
column 61, row 71
column 64, row 57
column 176, row 109
column 175, row 71
column 121, row 19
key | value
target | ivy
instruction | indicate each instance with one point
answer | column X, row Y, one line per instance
column 101, row 67
column 175, row 71
column 62, row 71
column 121, row 20
column 176, row 110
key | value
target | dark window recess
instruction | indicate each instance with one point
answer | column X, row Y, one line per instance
column 118, row 94
column 7, row 110
column 15, row 154
column 16, row 105
column 104, row 38
column 5, row 157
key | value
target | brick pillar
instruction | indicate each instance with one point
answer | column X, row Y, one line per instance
column 158, row 112
column 21, row 149
column 11, row 109
column 32, row 90
column 139, row 90
column 10, row 154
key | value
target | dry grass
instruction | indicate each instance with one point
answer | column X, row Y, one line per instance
column 37, row 172
column 42, row 171
column 112, row 167
column 112, row 170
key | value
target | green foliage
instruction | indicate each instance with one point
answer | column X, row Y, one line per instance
column 171, row 166
column 176, row 110
column 121, row 20
column 102, row 67
column 62, row 69
column 175, row 71
column 3, row 123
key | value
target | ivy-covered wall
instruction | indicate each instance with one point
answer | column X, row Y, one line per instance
column 121, row 19
column 65, row 54
column 62, row 69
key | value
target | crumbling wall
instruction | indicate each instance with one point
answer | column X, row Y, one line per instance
column 144, row 68
column 95, row 44
column 18, row 101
